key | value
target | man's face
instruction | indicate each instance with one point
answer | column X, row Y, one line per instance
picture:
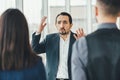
column 63, row 25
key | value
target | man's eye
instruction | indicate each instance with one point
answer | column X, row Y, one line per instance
column 65, row 22
column 59, row 22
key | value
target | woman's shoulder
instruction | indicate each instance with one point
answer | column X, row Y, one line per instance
column 36, row 72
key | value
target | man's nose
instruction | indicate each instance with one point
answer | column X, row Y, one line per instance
column 61, row 25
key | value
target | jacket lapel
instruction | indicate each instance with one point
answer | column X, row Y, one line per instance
column 72, row 40
column 57, row 43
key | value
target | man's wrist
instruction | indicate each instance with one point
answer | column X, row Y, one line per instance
column 37, row 33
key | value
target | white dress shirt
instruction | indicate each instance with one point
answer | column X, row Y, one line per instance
column 63, row 58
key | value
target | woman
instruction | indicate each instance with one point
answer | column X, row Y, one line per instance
column 17, row 60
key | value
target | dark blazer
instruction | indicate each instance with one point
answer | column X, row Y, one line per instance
column 50, row 46
column 37, row 72
column 104, row 54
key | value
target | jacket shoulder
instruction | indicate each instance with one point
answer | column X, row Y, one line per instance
column 52, row 35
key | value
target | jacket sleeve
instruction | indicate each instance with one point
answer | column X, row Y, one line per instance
column 42, row 71
column 36, row 46
column 79, row 60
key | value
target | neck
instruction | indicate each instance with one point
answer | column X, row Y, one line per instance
column 64, row 36
column 107, row 19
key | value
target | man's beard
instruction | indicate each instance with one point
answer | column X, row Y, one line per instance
column 63, row 32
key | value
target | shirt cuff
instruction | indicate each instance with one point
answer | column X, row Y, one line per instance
column 36, row 33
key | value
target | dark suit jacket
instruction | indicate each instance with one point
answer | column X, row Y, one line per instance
column 50, row 46
column 37, row 72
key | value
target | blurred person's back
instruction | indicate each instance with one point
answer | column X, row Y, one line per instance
column 104, row 54
column 99, row 58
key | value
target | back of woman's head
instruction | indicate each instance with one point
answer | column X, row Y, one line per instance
column 15, row 50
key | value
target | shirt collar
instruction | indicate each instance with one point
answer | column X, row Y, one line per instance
column 107, row 26
column 68, row 37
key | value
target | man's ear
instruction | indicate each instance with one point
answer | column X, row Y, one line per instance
column 119, row 14
column 55, row 24
column 71, row 25
column 96, row 11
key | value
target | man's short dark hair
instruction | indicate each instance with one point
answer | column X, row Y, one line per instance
column 64, row 14
column 111, row 7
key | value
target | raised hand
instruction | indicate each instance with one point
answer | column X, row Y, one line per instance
column 79, row 33
column 42, row 25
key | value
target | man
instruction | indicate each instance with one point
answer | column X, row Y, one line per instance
column 57, row 46
column 97, row 55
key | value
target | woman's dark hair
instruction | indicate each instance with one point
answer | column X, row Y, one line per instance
column 15, row 49
column 64, row 14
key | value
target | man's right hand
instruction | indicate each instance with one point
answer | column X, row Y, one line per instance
column 79, row 33
column 42, row 25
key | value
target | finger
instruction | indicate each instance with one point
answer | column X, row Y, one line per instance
column 75, row 36
column 44, row 25
column 77, row 32
column 43, row 19
column 81, row 31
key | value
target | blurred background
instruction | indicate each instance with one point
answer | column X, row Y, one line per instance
column 82, row 12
